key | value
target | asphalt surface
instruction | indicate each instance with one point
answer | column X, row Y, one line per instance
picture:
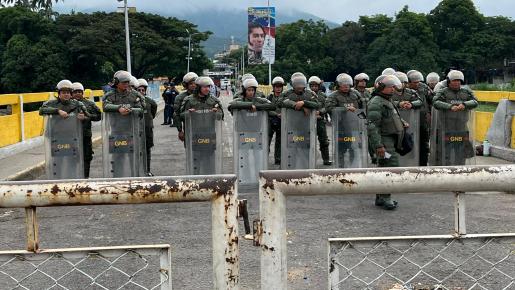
column 310, row 221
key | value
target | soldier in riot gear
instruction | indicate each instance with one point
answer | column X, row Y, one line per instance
column 94, row 115
column 385, row 130
column 432, row 80
column 123, row 129
column 347, row 126
column 63, row 134
column 452, row 143
column 298, row 125
column 248, row 100
column 250, row 115
column 242, row 89
column 188, row 82
column 150, row 114
column 275, row 117
column 416, row 82
column 314, row 84
column 360, row 83
column 202, row 114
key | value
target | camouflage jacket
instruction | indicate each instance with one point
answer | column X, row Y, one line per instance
column 94, row 115
column 177, row 109
column 446, row 98
column 201, row 103
column 407, row 95
column 52, row 107
column 114, row 99
column 289, row 98
column 383, row 120
column 150, row 112
column 339, row 99
column 261, row 104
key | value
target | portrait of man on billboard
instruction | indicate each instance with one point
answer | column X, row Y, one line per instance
column 261, row 35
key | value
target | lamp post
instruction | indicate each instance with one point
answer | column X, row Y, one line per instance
column 189, row 50
column 127, row 41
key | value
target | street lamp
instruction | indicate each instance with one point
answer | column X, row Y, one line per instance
column 127, row 42
column 189, row 48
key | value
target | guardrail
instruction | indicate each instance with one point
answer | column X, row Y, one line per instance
column 220, row 190
column 276, row 186
column 20, row 125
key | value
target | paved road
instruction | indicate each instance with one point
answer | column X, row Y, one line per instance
column 187, row 226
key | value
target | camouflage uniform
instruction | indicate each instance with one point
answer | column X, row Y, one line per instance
column 150, row 114
column 195, row 101
column 114, row 99
column 385, row 129
column 444, row 100
column 274, row 126
column 407, row 95
column 95, row 115
column 243, row 103
column 424, row 93
column 323, row 140
column 289, row 98
column 177, row 109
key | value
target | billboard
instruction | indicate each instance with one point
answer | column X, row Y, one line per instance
column 261, row 35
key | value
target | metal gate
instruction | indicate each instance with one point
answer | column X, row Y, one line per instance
column 34, row 267
column 275, row 186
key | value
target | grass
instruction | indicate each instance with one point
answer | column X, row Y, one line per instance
column 487, row 107
column 490, row 87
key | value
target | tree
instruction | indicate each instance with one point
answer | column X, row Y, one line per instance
column 33, row 4
column 454, row 22
column 407, row 44
column 348, row 46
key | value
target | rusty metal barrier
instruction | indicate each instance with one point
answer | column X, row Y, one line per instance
column 275, row 186
column 220, row 190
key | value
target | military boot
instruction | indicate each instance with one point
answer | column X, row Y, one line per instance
column 325, row 155
column 385, row 201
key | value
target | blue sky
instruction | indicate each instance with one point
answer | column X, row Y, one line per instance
column 334, row 10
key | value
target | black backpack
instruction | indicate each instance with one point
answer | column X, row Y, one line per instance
column 406, row 144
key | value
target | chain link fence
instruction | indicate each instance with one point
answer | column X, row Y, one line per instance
column 427, row 262
column 132, row 267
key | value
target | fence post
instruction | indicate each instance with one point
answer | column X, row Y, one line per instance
column 459, row 213
column 31, row 222
column 22, row 119
column 272, row 211
column 226, row 264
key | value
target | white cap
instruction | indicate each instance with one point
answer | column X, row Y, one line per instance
column 388, row 71
column 432, row 77
column 344, row 79
column 204, row 81
column 361, row 77
column 64, row 85
column 456, row 75
column 401, row 76
column 77, row 86
column 134, row 82
column 250, row 83
column 415, row 76
column 314, row 79
column 142, row 82
column 278, row 80
column 191, row 76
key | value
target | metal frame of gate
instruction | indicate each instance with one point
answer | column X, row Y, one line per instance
column 275, row 186
column 220, row 190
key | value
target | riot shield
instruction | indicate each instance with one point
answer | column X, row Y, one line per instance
column 350, row 139
column 64, row 156
column 250, row 145
column 452, row 139
column 298, row 139
column 412, row 117
column 203, row 143
column 124, row 150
